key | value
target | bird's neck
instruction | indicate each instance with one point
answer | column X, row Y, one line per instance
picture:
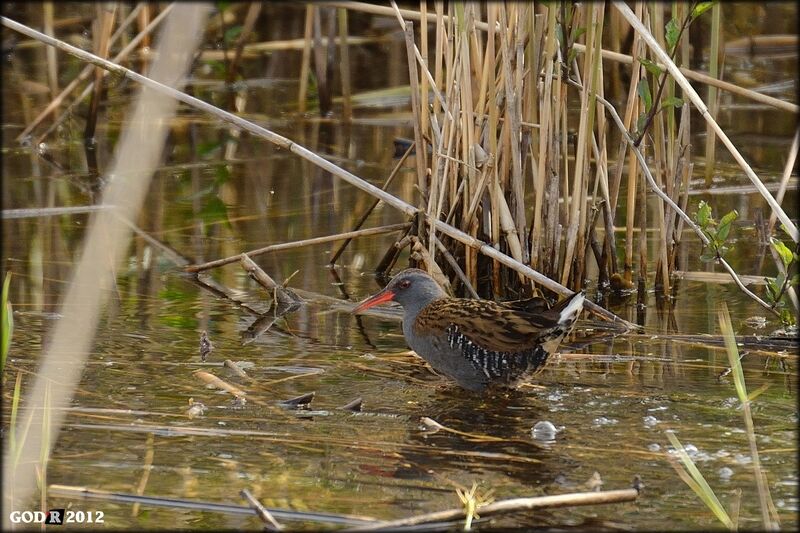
column 412, row 309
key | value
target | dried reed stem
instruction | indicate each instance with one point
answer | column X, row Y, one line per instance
column 713, row 98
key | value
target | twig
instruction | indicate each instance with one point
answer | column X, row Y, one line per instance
column 52, row 211
column 147, row 467
column 299, row 244
column 261, row 511
column 284, row 296
column 308, row 155
column 456, row 268
column 787, row 173
column 513, row 505
column 687, row 88
column 395, row 171
column 175, row 503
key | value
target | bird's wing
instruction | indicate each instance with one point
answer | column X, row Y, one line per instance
column 492, row 326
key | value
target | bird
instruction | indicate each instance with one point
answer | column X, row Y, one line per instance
column 479, row 344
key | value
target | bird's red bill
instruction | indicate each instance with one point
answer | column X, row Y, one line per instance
column 381, row 297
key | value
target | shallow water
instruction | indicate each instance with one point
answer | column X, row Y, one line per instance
column 128, row 416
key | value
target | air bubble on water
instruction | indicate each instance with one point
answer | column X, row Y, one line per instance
column 650, row 421
column 545, row 430
column 742, row 459
column 555, row 396
column 604, row 421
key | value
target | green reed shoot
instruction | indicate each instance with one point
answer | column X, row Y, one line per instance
column 692, row 476
column 7, row 321
column 741, row 391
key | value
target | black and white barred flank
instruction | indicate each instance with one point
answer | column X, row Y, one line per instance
column 497, row 364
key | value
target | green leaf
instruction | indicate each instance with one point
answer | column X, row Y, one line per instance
column 725, row 225
column 786, row 254
column 708, row 256
column 703, row 215
column 672, row 101
column 701, row 8
column 644, row 94
column 722, row 233
column 578, row 33
column 222, row 6
column 232, row 33
column 795, row 280
column 779, row 279
column 672, row 31
column 651, row 67
column 729, row 217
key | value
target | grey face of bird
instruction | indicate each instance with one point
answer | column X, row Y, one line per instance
column 412, row 288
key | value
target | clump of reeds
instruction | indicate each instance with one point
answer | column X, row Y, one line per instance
column 502, row 155
column 511, row 164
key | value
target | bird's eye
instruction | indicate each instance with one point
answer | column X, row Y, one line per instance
column 404, row 284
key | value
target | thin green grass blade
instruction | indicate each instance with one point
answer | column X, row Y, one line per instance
column 702, row 488
column 7, row 321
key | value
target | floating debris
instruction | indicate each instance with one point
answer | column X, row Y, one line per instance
column 206, row 346
column 301, row 401
column 756, row 322
column 195, row 408
column 236, row 367
column 354, row 406
column 595, row 482
column 213, row 381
